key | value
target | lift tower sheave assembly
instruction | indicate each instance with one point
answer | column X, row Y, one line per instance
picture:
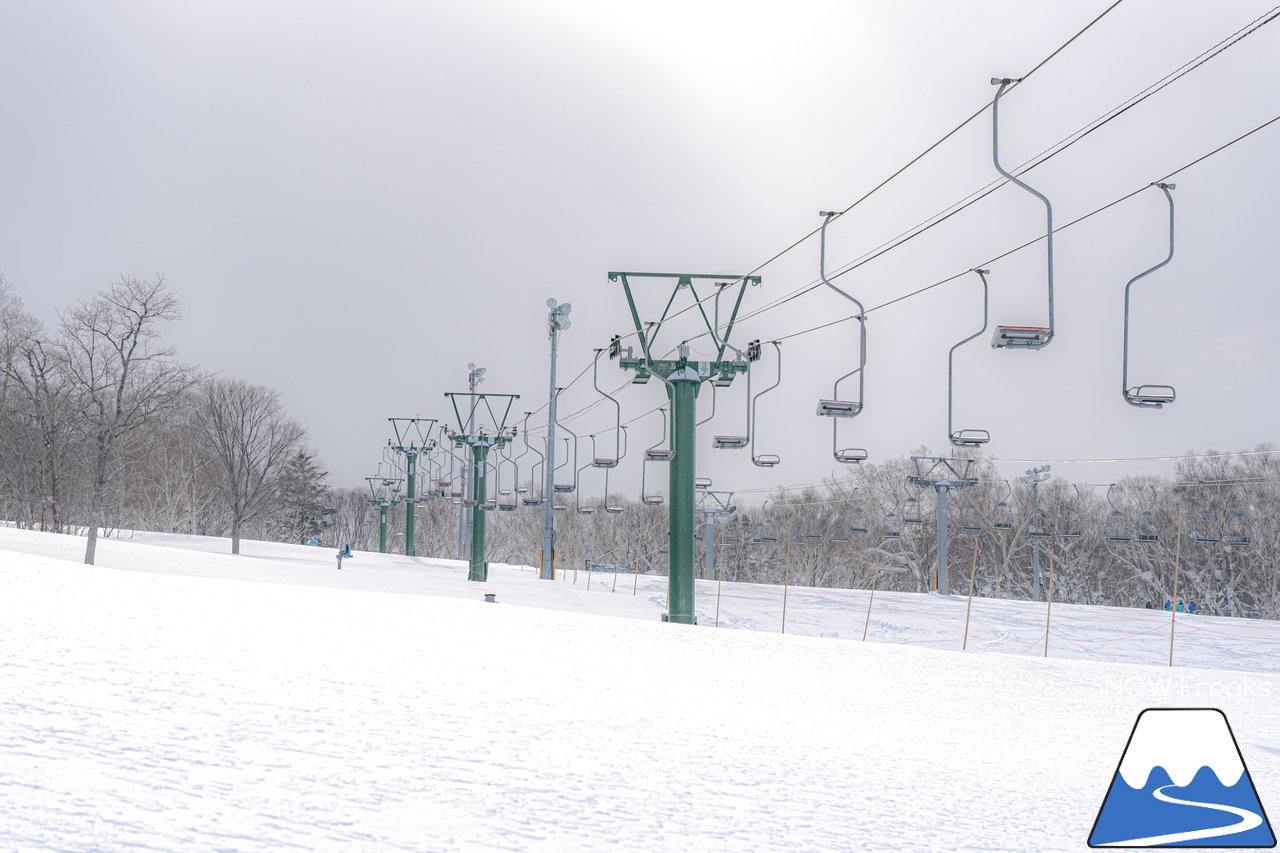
column 413, row 438
column 683, row 378
column 482, row 426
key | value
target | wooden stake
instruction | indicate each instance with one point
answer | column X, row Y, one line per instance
column 1173, row 605
column 786, row 577
column 867, row 624
column 973, row 574
column 1048, row 610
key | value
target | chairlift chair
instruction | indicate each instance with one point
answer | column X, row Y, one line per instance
column 851, row 455
column 764, row 532
column 761, row 460
column 965, row 437
column 835, row 407
column 1147, row 528
column 841, row 531
column 730, row 442
column 702, row 483
column 1239, row 532
column 1117, row 522
column 969, row 518
column 1003, row 516
column 889, row 526
column 911, row 511
column 1021, row 337
column 599, row 461
column 859, row 522
column 1146, row 396
column 1070, row 527
column 655, row 454
column 1204, row 531
column 1118, row 527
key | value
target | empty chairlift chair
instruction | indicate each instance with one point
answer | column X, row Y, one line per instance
column 602, row 460
column 654, row 454
column 1239, row 532
column 1028, row 336
column 761, row 460
column 965, row 437
column 836, row 407
column 1118, row 529
column 858, row 522
column 1146, row 396
column 1002, row 518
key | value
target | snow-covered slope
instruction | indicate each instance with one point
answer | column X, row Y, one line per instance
column 175, row 698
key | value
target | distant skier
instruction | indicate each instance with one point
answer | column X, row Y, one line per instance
column 314, row 540
column 1191, row 607
column 344, row 551
column 1182, row 608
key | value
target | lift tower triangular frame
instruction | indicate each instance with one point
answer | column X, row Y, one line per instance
column 407, row 430
column 481, row 437
column 683, row 379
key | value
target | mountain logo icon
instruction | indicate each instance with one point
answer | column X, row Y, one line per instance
column 1182, row 782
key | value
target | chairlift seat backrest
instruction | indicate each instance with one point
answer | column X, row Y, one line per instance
column 658, row 455
column 586, row 510
column 851, row 455
column 563, row 488
column 970, row 437
column 766, row 460
column 532, row 501
column 1020, row 337
column 652, row 500
column 1151, row 396
column 839, row 408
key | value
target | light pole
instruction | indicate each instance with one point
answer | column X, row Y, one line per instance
column 1035, row 476
column 475, row 375
column 557, row 322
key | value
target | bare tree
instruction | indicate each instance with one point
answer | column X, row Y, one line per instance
column 250, row 437
column 119, row 373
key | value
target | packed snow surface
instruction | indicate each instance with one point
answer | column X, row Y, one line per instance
column 175, row 697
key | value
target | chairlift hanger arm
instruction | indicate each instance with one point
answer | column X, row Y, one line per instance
column 1134, row 396
column 1004, row 84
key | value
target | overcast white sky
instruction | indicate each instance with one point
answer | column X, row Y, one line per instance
column 354, row 200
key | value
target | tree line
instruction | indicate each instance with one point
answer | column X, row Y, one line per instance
column 104, row 428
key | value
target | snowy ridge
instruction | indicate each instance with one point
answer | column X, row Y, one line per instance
column 1181, row 742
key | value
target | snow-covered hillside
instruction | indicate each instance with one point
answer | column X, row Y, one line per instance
column 175, row 697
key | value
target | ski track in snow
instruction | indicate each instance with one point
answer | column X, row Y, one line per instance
column 184, row 705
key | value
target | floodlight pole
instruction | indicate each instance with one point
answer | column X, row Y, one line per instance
column 475, row 375
column 557, row 321
column 955, row 475
column 683, row 379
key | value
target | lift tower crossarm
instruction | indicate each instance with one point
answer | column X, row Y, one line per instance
column 683, row 378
